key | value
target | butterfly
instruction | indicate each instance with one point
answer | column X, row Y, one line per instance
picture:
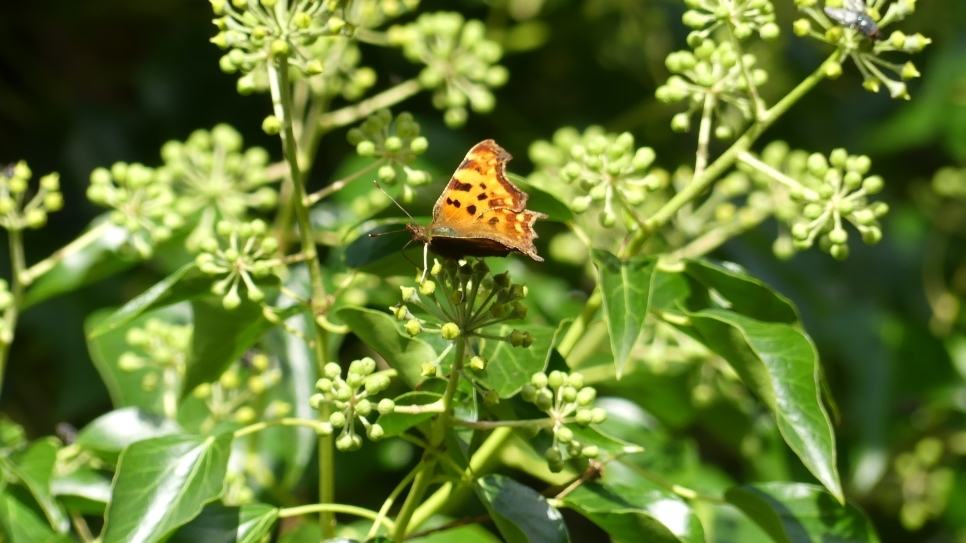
column 855, row 15
column 480, row 212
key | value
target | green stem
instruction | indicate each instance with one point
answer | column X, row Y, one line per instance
column 701, row 183
column 282, row 101
column 333, row 508
column 386, row 98
column 341, row 183
column 259, row 426
column 704, row 134
column 390, row 500
column 579, row 326
column 436, row 436
column 10, row 315
column 45, row 265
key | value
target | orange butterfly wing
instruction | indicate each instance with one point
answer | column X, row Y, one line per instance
column 480, row 212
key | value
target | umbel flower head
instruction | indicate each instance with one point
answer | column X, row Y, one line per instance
column 255, row 33
column 343, row 75
column 17, row 210
column 856, row 27
column 165, row 349
column 461, row 300
column 249, row 255
column 215, row 178
column 352, row 400
column 237, row 392
column 396, row 144
column 143, row 203
column 461, row 64
column 743, row 17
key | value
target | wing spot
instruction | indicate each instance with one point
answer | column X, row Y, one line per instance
column 462, row 187
column 454, row 203
column 483, row 186
column 481, row 196
column 471, row 209
column 493, row 221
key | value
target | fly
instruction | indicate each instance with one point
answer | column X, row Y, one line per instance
column 855, row 15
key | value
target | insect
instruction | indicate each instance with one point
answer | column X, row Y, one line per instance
column 480, row 212
column 855, row 15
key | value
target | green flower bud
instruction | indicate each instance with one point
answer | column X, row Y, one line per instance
column 271, row 125
column 909, row 71
column 428, row 369
column 585, row 396
column 681, row 122
column 873, row 184
column 839, row 252
column 838, row 236
column 375, row 432
column 364, row 407
column 544, row 399
column 337, row 419
column 279, row 48
column 556, row 379
column 590, row 451
column 387, row 173
column 450, row 331
column 427, row 288
column 769, row 31
column 872, row 235
column 565, row 435
column 231, row 300
column 386, row 406
column 478, row 363
column 245, row 415
column 539, row 380
column 348, row 442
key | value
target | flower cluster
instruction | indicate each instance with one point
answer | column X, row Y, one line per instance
column 216, row 178
column 255, row 33
column 565, row 399
column 352, row 401
column 396, row 144
column 925, row 484
column 460, row 301
column 143, row 203
column 249, row 255
column 231, row 396
column 164, row 349
column 861, row 42
column 343, row 76
column 743, row 16
column 17, row 212
column 460, row 62
column 373, row 13
column 601, row 167
column 825, row 192
column 709, row 78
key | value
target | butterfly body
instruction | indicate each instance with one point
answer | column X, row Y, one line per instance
column 480, row 212
column 855, row 15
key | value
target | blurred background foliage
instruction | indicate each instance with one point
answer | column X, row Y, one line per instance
column 85, row 83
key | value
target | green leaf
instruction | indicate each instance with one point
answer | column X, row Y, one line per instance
column 780, row 364
column 397, row 423
column 802, row 513
column 463, row 534
column 383, row 254
column 96, row 260
column 745, row 294
column 84, row 490
column 162, row 483
column 378, row 330
column 631, row 514
column 220, row 524
column 34, row 468
column 21, row 524
column 220, row 337
column 110, row 433
column 626, row 286
column 184, row 284
column 520, row 513
column 125, row 387
column 508, row 368
column 542, row 201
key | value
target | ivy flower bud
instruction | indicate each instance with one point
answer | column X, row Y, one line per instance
column 450, row 331
column 375, row 432
column 386, row 406
column 337, row 419
column 271, row 125
column 539, row 380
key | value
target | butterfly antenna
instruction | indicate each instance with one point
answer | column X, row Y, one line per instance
column 377, row 234
column 378, row 186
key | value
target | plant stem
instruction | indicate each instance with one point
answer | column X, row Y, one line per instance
column 753, row 161
column 700, row 183
column 579, row 326
column 390, row 500
column 386, row 98
column 749, row 80
column 341, row 183
column 436, row 436
column 714, row 238
column 30, row 275
column 282, row 101
column 9, row 324
column 259, row 426
column 704, row 134
column 333, row 508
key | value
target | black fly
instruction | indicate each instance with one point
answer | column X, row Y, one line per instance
column 855, row 15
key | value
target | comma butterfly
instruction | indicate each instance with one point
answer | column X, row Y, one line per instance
column 480, row 213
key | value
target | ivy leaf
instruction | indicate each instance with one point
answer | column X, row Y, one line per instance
column 746, row 294
column 519, row 512
column 509, row 368
column 378, row 330
column 34, row 467
column 780, row 364
column 21, row 524
column 631, row 514
column 162, row 483
column 396, row 423
column 802, row 513
column 626, row 286
column 96, row 260
column 220, row 524
column 84, row 490
column 110, row 433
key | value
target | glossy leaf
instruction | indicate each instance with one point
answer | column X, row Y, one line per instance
column 780, row 364
column 802, row 513
column 378, row 330
column 248, row 523
column 626, row 286
column 745, row 294
column 21, row 524
column 84, row 490
column 396, row 423
column 110, row 433
column 96, row 260
column 630, row 514
column 162, row 483
column 34, row 468
column 509, row 368
column 520, row 513
column 184, row 284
